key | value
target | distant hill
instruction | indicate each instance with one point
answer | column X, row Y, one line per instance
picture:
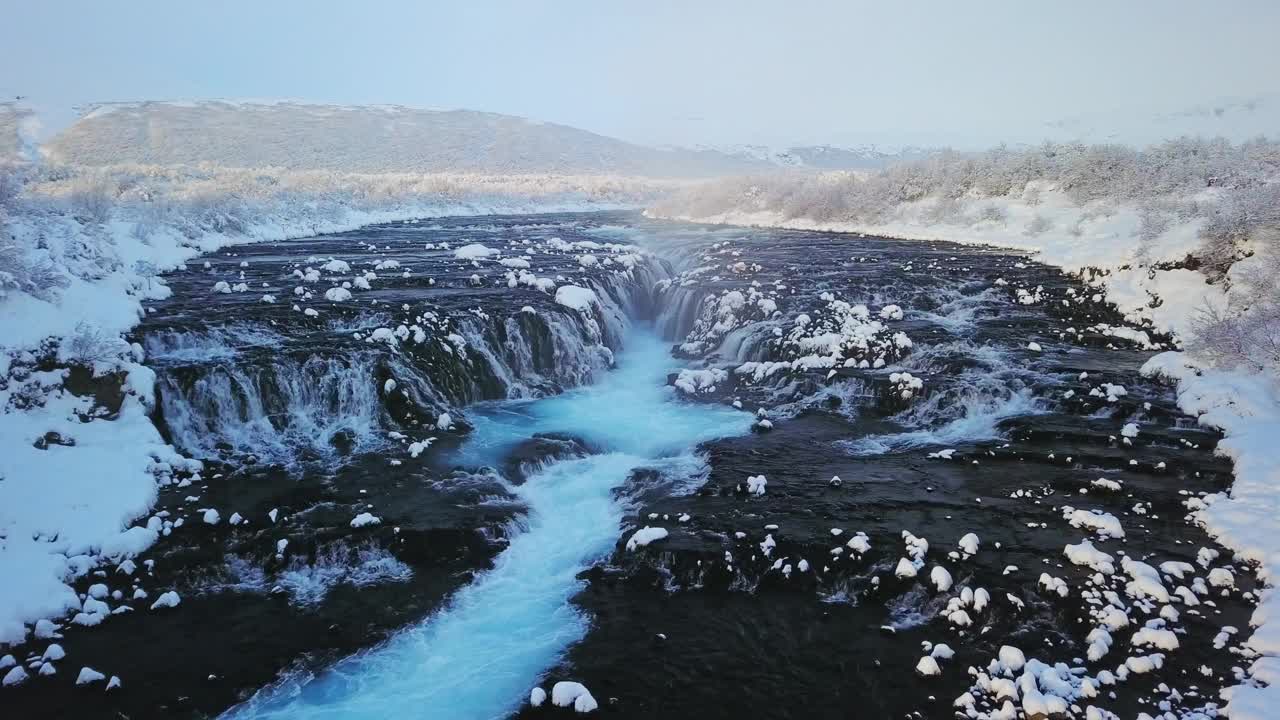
column 364, row 139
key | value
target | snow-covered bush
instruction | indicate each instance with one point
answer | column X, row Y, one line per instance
column 88, row 345
column 22, row 267
column 1083, row 172
column 1246, row 332
column 91, row 202
column 1249, row 213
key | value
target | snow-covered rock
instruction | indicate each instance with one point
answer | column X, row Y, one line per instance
column 645, row 536
column 575, row 297
column 365, row 519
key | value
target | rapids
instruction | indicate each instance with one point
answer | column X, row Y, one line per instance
column 478, row 657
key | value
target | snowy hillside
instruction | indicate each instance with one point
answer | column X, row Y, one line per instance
column 364, row 139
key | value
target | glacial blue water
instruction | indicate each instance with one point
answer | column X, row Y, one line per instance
column 479, row 657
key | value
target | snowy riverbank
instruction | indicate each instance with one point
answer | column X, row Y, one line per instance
column 1149, row 275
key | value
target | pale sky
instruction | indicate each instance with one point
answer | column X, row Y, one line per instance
column 686, row 72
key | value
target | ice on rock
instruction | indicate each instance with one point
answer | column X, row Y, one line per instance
column 928, row 666
column 1104, row 524
column 859, row 543
column 365, row 519
column 566, row 693
column 337, row 294
column 1155, row 637
column 474, row 251
column 169, row 599
column 1222, row 577
column 1084, row 553
column 89, row 675
column 1053, row 584
column 941, row 578
column 645, row 536
column 577, row 298
column 1011, row 658
column 46, row 630
column 891, row 312
column 693, row 382
column 1105, row 484
column 16, row 676
column 53, row 653
column 585, row 703
column 211, row 517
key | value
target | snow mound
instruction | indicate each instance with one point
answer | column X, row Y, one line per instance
column 575, row 297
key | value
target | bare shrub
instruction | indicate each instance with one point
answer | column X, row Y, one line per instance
column 26, row 270
column 91, row 203
column 1246, row 331
column 1153, row 221
column 1239, row 216
column 88, row 344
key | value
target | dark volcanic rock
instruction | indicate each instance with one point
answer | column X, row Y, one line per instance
column 529, row 456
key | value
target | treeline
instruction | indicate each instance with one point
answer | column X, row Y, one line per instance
column 1084, row 173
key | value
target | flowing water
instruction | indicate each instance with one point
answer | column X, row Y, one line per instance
column 480, row 656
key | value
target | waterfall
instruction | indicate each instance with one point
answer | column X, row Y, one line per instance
column 243, row 390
